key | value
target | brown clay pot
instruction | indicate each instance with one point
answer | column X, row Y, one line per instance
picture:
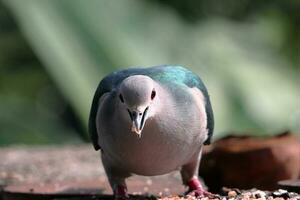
column 251, row 162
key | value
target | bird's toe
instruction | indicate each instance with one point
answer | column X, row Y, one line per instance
column 200, row 193
column 196, row 189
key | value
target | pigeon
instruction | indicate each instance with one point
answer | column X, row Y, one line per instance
column 151, row 121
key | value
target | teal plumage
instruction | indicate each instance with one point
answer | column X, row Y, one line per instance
column 167, row 75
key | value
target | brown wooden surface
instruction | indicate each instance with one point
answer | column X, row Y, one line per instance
column 72, row 171
column 58, row 171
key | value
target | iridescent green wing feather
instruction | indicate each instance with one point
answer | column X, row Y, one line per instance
column 180, row 75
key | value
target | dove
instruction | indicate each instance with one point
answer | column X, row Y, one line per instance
column 151, row 121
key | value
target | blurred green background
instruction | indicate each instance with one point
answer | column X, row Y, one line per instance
column 53, row 53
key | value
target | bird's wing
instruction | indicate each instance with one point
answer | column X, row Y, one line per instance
column 180, row 75
column 93, row 113
column 193, row 80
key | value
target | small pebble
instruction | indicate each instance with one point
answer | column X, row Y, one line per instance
column 231, row 194
column 280, row 192
column 259, row 194
column 262, row 198
column 279, row 198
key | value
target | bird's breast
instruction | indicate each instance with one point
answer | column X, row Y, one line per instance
column 165, row 145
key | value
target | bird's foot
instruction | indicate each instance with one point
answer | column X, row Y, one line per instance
column 196, row 189
column 120, row 192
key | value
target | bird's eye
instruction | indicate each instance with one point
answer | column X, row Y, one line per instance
column 121, row 98
column 153, row 94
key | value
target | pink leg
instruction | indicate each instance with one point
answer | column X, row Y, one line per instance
column 189, row 173
column 120, row 192
column 196, row 189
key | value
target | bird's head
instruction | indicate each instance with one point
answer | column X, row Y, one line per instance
column 136, row 94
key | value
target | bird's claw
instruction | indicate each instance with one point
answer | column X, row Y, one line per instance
column 200, row 193
column 196, row 189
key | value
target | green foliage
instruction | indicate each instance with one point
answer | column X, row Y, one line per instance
column 246, row 56
column 31, row 109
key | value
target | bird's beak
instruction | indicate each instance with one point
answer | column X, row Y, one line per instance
column 138, row 121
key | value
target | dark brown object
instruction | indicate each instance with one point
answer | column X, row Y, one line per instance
column 247, row 162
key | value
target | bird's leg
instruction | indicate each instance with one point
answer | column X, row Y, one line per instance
column 189, row 174
column 119, row 187
column 120, row 191
column 116, row 178
column 196, row 189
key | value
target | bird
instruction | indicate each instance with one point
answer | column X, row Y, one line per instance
column 151, row 121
